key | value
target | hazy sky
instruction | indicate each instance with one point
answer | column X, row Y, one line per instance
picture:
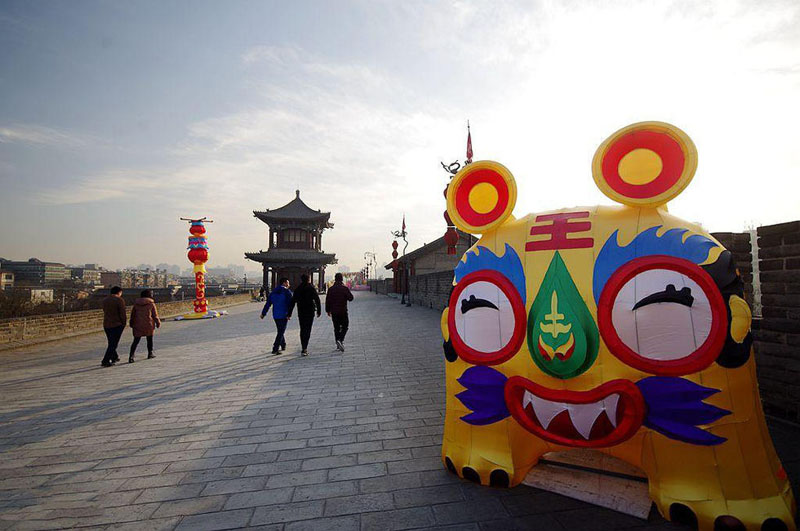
column 117, row 118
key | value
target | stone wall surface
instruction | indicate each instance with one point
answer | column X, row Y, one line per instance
column 382, row 286
column 777, row 333
column 24, row 331
column 431, row 290
column 738, row 243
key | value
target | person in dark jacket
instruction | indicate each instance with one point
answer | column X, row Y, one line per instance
column 307, row 301
column 280, row 299
column 114, row 317
column 336, row 307
column 144, row 321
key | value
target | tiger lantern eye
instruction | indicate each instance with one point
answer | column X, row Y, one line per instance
column 486, row 318
column 662, row 315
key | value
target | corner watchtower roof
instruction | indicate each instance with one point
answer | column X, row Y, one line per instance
column 295, row 210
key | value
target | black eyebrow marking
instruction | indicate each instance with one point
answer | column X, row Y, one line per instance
column 472, row 303
column 684, row 296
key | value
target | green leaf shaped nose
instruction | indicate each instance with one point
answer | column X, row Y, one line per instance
column 562, row 336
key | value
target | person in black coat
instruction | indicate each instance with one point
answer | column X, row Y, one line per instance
column 336, row 306
column 307, row 301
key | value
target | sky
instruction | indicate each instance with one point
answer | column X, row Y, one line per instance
column 118, row 118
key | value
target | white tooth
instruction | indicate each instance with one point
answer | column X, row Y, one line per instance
column 610, row 405
column 526, row 399
column 583, row 416
column 545, row 410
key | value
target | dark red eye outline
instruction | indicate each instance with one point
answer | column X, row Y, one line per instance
column 694, row 362
column 469, row 354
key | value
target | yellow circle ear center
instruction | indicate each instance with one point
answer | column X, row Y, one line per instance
column 483, row 198
column 640, row 166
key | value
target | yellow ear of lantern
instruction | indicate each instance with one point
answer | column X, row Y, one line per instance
column 645, row 164
column 481, row 196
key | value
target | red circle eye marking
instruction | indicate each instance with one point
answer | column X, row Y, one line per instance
column 662, row 315
column 663, row 145
column 465, row 209
column 486, row 318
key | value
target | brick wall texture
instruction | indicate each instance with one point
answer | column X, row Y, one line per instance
column 738, row 243
column 383, row 286
column 431, row 290
column 777, row 333
column 24, row 331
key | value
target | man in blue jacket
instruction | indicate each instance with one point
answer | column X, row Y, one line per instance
column 280, row 299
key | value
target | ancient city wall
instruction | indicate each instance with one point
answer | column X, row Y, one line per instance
column 24, row 331
column 381, row 287
column 431, row 290
column 777, row 332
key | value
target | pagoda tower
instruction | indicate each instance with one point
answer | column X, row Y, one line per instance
column 295, row 244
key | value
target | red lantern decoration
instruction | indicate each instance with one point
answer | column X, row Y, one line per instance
column 451, row 239
column 198, row 256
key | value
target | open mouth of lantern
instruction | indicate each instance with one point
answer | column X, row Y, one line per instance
column 600, row 417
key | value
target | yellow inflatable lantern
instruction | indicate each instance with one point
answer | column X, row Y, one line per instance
column 621, row 329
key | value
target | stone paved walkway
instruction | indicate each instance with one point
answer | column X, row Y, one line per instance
column 217, row 434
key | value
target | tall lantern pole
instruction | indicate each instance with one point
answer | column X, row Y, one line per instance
column 451, row 236
column 370, row 258
column 402, row 234
column 198, row 256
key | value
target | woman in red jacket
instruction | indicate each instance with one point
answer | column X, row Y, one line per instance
column 144, row 321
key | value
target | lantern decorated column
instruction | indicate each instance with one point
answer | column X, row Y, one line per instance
column 198, row 255
column 451, row 236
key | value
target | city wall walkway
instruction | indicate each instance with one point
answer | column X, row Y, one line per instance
column 216, row 433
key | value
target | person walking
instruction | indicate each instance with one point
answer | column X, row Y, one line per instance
column 307, row 301
column 280, row 299
column 144, row 321
column 114, row 318
column 336, row 307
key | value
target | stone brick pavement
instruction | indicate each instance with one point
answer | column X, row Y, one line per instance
column 217, row 434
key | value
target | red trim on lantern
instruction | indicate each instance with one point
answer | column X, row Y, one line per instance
column 694, row 362
column 465, row 210
column 468, row 353
column 672, row 158
column 630, row 410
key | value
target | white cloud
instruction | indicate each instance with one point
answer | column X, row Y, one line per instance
column 45, row 136
column 114, row 184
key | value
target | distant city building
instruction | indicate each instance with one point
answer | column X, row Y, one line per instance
column 238, row 270
column 35, row 272
column 91, row 276
column 143, row 278
column 110, row 278
column 294, row 245
column 36, row 295
column 137, row 278
column 171, row 269
column 6, row 280
column 221, row 274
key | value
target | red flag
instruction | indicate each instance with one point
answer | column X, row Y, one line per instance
column 469, row 144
